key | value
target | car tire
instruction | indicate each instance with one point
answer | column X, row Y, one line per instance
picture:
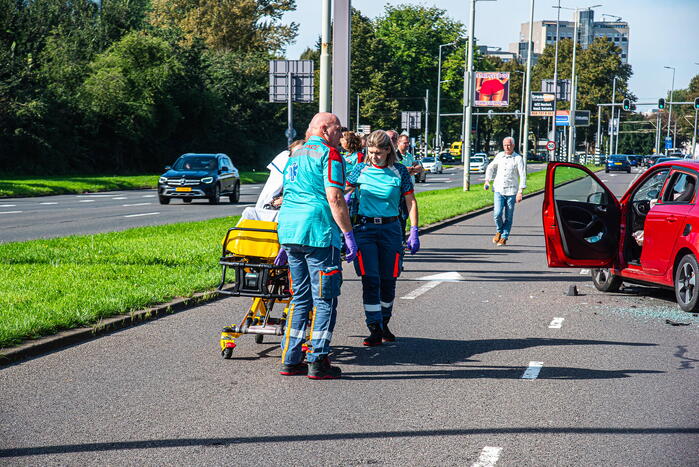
column 686, row 291
column 215, row 198
column 606, row 171
column 604, row 281
column 235, row 196
column 187, row 200
column 164, row 200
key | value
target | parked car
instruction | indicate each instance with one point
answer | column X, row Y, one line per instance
column 479, row 162
column 634, row 160
column 617, row 162
column 432, row 164
column 665, row 159
column 642, row 238
column 207, row 176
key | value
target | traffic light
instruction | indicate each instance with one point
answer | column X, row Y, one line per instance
column 627, row 105
column 661, row 104
column 696, row 102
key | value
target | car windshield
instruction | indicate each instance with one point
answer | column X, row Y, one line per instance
column 195, row 163
column 428, row 159
column 618, row 158
column 477, row 159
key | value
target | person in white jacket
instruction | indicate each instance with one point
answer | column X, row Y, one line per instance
column 508, row 175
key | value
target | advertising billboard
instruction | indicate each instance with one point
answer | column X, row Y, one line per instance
column 492, row 89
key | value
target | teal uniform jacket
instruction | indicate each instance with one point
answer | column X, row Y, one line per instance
column 305, row 217
column 380, row 188
column 351, row 160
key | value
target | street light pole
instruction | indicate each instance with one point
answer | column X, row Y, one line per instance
column 669, row 116
column 555, row 81
column 324, row 92
column 528, row 84
column 439, row 94
column 468, row 104
column 613, row 125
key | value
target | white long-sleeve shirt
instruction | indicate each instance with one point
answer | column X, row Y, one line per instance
column 510, row 173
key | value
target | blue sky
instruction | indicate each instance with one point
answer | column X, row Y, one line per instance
column 662, row 32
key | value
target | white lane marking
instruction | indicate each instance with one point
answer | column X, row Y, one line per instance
column 121, row 197
column 153, row 196
column 245, row 205
column 441, row 179
column 584, row 272
column 421, row 290
column 532, row 370
column 135, row 204
column 489, row 457
column 144, row 214
column 46, row 204
column 10, row 212
column 7, row 205
column 443, row 276
column 86, row 201
column 94, row 196
column 556, row 323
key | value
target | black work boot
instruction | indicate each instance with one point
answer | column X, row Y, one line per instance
column 321, row 369
column 293, row 370
column 375, row 336
column 387, row 334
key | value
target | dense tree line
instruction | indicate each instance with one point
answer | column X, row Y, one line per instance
column 127, row 85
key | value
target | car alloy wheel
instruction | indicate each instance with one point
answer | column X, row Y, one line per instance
column 686, row 290
column 216, row 197
column 235, row 197
column 605, row 281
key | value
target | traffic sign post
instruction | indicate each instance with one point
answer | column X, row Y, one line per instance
column 668, row 142
column 290, row 81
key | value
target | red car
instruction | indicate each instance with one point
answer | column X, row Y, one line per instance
column 649, row 237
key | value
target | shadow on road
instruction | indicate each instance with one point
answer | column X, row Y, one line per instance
column 292, row 438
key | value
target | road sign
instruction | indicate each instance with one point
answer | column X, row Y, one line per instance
column 301, row 80
column 290, row 133
column 547, row 86
column 562, row 117
column 364, row 129
column 541, row 104
column 668, row 142
column 551, row 145
column 411, row 120
column 582, row 118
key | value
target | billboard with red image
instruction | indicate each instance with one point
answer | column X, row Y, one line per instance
column 492, row 88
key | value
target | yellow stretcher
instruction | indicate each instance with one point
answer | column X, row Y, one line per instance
column 249, row 249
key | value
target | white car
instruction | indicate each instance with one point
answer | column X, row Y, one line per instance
column 479, row 162
column 432, row 164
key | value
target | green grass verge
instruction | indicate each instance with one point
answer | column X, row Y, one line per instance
column 51, row 285
column 18, row 186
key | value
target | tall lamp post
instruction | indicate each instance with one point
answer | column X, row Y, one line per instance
column 555, row 80
column 574, row 84
column 439, row 94
column 528, row 82
column 669, row 116
column 613, row 125
column 521, row 109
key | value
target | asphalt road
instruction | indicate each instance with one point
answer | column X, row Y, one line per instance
column 499, row 366
column 24, row 219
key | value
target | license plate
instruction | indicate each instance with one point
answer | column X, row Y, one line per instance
column 617, row 163
column 183, row 188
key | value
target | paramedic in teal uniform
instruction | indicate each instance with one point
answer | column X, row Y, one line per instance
column 380, row 182
column 312, row 220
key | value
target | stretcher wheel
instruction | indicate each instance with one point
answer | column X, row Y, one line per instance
column 227, row 353
column 259, row 339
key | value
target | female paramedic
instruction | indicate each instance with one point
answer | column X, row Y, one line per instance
column 352, row 145
column 380, row 182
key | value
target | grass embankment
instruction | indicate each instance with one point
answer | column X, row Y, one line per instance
column 17, row 186
column 50, row 285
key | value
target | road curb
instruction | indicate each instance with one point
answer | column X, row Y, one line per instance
column 45, row 345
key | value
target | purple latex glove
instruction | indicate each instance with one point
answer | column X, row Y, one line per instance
column 413, row 241
column 282, row 258
column 351, row 244
column 348, row 197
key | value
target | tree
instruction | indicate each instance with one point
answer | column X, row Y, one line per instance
column 235, row 25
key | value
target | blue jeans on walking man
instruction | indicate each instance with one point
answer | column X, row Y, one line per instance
column 316, row 278
column 503, row 212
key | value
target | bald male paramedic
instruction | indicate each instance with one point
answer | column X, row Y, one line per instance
column 312, row 220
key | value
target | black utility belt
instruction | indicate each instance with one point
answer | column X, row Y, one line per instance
column 375, row 220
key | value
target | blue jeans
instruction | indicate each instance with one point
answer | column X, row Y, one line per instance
column 316, row 278
column 504, row 212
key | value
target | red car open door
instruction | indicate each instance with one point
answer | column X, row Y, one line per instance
column 581, row 218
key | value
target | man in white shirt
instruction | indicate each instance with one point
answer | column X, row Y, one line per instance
column 510, row 178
